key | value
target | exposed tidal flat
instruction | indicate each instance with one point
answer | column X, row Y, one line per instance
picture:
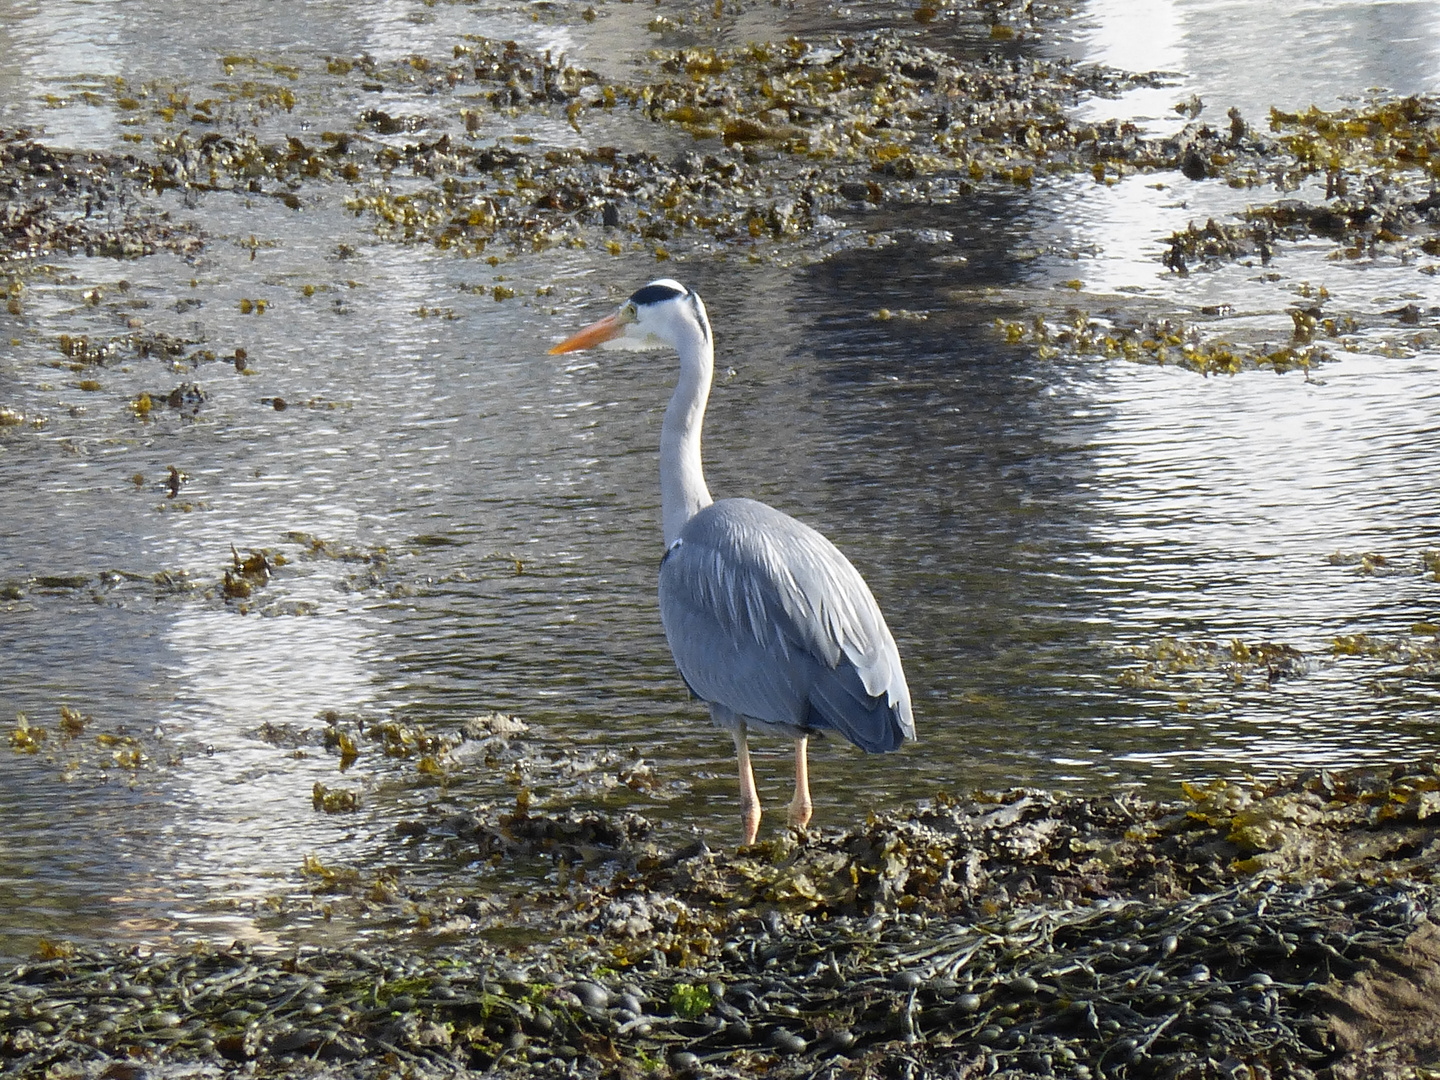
column 1282, row 929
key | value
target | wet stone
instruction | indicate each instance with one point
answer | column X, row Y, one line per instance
column 786, row 1042
column 907, row 980
column 591, row 995
column 739, row 1031
column 300, row 1039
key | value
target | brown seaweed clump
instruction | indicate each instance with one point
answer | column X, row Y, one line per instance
column 67, row 201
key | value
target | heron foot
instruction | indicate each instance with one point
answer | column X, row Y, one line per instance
column 801, row 811
column 750, row 819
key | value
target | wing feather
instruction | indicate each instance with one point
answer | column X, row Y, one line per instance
column 767, row 617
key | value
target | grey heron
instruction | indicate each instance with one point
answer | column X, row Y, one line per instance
column 769, row 623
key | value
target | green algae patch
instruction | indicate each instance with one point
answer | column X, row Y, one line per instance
column 690, row 1000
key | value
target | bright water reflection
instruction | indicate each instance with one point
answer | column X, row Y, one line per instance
column 489, row 515
column 1254, row 56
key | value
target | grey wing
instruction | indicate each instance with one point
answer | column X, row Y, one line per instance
column 767, row 617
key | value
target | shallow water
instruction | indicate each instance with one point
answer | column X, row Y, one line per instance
column 1032, row 527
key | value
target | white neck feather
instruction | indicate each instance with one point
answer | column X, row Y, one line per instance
column 683, row 493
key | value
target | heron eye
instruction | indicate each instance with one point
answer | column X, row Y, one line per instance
column 629, row 313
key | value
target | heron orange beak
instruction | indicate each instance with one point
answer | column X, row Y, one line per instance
column 608, row 328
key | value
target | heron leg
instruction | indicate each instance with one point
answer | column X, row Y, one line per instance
column 749, row 799
column 801, row 807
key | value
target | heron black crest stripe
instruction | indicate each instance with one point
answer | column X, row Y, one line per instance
column 654, row 294
column 698, row 306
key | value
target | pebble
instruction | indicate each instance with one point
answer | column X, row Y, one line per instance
column 1024, row 984
column 838, row 1041
column 786, row 1042
column 684, row 1061
column 591, row 995
column 739, row 1031
column 300, row 1039
column 907, row 980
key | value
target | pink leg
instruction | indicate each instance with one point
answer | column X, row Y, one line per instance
column 749, row 799
column 801, row 807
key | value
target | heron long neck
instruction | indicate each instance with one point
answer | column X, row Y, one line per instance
column 682, row 478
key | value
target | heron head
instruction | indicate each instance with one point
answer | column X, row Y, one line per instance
column 663, row 313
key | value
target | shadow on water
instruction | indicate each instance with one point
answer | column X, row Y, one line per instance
column 974, row 486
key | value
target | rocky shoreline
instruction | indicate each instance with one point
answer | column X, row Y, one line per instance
column 1282, row 929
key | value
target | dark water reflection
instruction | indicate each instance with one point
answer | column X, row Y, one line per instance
column 1028, row 524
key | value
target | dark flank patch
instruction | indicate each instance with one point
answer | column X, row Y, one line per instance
column 655, row 294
